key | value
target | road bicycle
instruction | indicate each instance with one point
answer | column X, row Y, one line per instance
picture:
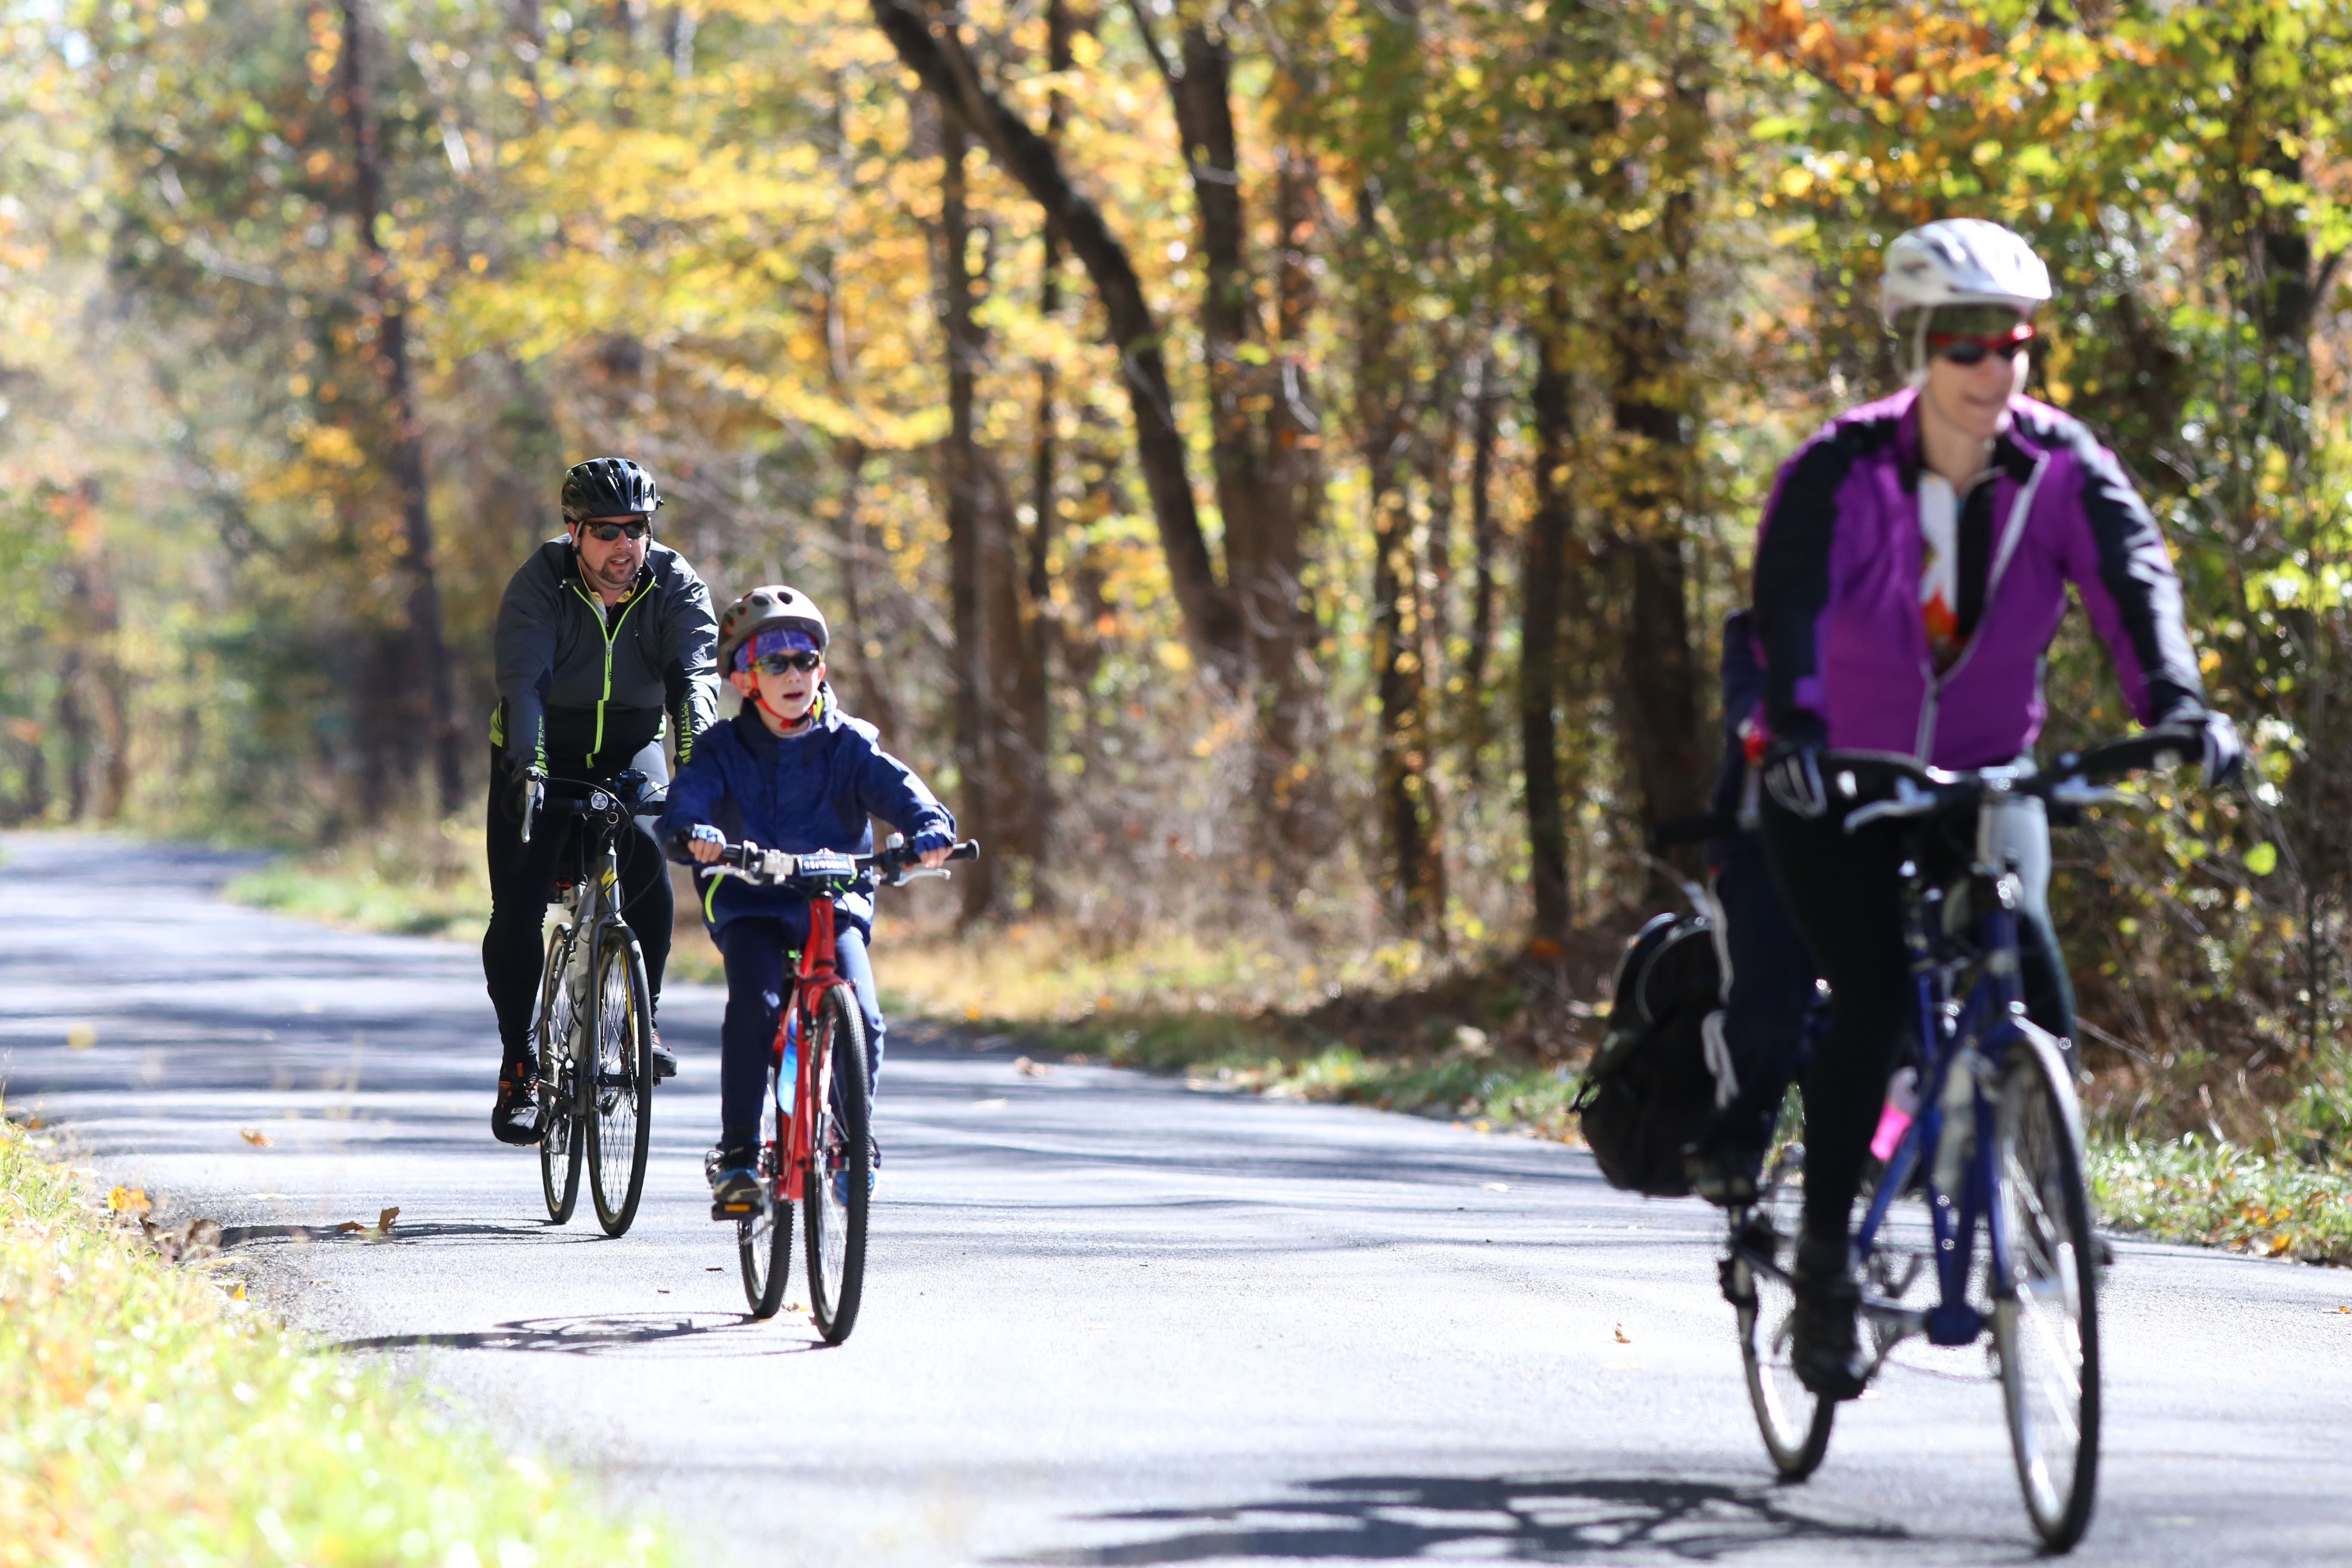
column 1994, row 1145
column 815, row 1146
column 594, row 1034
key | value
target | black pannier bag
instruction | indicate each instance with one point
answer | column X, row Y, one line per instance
column 1649, row 1090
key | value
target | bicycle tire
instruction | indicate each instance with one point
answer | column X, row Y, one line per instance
column 764, row 1241
column 559, row 1142
column 835, row 1222
column 621, row 1092
column 2045, row 1315
column 1793, row 1421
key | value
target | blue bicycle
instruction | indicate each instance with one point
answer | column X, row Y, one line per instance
column 1996, row 1145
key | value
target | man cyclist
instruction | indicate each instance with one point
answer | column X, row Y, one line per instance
column 604, row 639
column 1910, row 573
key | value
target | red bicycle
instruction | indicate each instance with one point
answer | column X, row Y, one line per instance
column 814, row 1148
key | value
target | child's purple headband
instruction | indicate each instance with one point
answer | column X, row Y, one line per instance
column 781, row 640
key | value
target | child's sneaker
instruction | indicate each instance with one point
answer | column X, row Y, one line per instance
column 734, row 1173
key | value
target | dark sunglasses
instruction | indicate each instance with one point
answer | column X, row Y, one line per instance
column 1968, row 348
column 777, row 663
column 605, row 532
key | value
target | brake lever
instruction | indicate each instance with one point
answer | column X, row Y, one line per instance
column 2078, row 792
column 1909, row 800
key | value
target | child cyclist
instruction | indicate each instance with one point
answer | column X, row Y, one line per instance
column 790, row 772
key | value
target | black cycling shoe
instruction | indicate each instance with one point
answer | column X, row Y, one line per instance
column 734, row 1173
column 664, row 1060
column 1724, row 1175
column 514, row 1118
column 1824, row 1346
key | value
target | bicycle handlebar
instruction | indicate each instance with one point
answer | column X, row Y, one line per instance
column 894, row 865
column 580, row 797
column 2076, row 778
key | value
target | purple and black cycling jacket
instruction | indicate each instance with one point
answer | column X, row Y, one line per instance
column 1837, row 590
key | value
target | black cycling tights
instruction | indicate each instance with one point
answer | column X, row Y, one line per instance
column 522, row 879
column 1844, row 892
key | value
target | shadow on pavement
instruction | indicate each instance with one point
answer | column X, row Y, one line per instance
column 592, row 1336
column 356, row 1233
column 1518, row 1518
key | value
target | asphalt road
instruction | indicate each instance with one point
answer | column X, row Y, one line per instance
column 1110, row 1318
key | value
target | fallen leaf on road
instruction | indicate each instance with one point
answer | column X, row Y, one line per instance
column 81, row 1036
column 1028, row 1068
column 1622, row 1337
column 127, row 1200
column 350, row 1225
column 255, row 1136
column 383, row 1221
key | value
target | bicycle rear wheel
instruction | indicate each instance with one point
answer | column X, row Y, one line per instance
column 836, row 1196
column 764, row 1240
column 559, row 1132
column 620, row 1094
column 2045, row 1314
column 1794, row 1421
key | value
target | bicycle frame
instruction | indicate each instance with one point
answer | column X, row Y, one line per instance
column 819, row 972
column 1973, row 1036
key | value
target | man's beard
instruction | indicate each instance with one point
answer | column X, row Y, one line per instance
column 616, row 573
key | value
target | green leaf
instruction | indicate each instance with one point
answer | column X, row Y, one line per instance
column 2262, row 858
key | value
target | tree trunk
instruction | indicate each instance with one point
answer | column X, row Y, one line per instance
column 427, row 701
column 870, row 696
column 1034, row 777
column 1414, row 877
column 1292, row 786
column 937, row 56
column 1654, row 488
column 966, row 343
column 1486, row 401
column 1544, row 567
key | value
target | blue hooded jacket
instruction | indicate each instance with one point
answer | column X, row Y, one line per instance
column 811, row 791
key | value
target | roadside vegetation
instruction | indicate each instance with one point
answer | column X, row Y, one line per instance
column 1495, row 1045
column 421, row 882
column 150, row 1413
column 1498, row 1047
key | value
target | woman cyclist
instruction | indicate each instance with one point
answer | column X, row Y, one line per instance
column 1910, row 573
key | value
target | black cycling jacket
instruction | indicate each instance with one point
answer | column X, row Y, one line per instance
column 583, row 688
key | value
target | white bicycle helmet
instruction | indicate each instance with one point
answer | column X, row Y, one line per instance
column 1960, row 261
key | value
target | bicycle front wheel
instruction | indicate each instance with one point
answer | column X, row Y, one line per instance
column 559, row 1129
column 620, row 1094
column 840, row 1174
column 763, row 1241
column 1793, row 1420
column 2045, row 1316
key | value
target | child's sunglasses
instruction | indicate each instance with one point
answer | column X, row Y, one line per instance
column 605, row 532
column 801, row 659
column 1968, row 348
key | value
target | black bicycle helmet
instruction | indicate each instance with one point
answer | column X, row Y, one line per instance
column 770, row 608
column 608, row 487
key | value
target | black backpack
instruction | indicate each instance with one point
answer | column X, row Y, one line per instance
column 1649, row 1090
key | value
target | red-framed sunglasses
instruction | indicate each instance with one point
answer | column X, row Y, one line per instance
column 1971, row 348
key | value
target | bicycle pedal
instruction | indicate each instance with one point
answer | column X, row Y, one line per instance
column 734, row 1211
